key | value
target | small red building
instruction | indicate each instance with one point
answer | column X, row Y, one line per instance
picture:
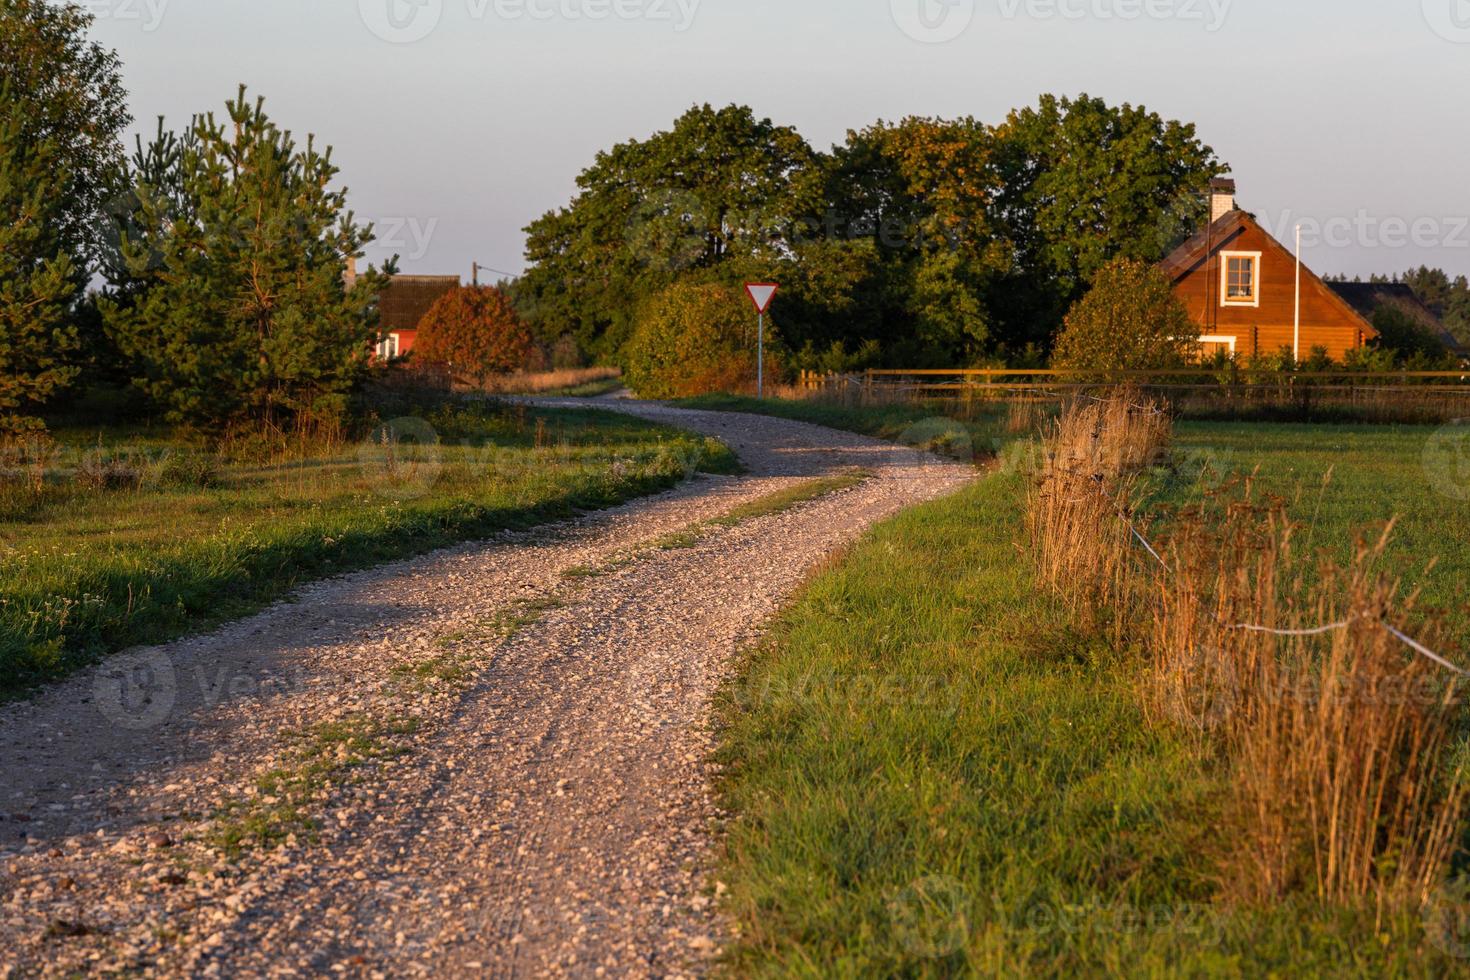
column 1240, row 285
column 402, row 305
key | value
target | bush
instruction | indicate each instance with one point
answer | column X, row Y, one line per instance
column 1129, row 321
column 475, row 332
column 101, row 472
column 188, row 471
column 694, row 339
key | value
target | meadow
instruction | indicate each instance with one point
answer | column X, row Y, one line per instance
column 120, row 536
column 937, row 768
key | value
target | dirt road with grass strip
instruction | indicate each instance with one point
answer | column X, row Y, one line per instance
column 490, row 760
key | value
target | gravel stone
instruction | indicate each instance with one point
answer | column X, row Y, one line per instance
column 548, row 813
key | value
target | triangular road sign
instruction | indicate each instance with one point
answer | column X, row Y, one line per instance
column 761, row 294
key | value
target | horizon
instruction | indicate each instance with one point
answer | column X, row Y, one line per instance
column 475, row 151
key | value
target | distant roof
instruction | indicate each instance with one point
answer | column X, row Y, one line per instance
column 405, row 300
column 1369, row 297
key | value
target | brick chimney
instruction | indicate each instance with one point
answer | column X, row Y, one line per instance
column 1222, row 198
column 349, row 277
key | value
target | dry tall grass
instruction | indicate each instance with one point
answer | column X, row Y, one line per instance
column 1337, row 736
column 543, row 381
column 1093, row 455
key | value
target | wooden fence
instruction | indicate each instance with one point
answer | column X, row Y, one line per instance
column 1390, row 396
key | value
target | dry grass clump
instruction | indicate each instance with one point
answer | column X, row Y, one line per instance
column 1091, row 461
column 544, row 381
column 1336, row 734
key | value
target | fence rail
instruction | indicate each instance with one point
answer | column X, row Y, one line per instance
column 1387, row 396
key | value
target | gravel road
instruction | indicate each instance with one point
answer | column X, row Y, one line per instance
column 490, row 760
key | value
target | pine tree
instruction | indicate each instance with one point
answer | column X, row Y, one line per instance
column 38, row 281
column 236, row 304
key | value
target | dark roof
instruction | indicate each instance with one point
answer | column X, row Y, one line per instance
column 1369, row 297
column 405, row 300
column 1178, row 263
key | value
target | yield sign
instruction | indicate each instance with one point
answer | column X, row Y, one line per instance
column 761, row 294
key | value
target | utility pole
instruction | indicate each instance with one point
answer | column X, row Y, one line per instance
column 1296, row 335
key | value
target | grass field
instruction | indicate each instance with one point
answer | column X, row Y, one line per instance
column 934, row 772
column 162, row 539
column 1377, row 473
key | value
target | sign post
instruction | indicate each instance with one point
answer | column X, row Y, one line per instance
column 761, row 294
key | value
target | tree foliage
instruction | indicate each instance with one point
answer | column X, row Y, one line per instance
column 73, row 98
column 475, row 331
column 38, row 281
column 1082, row 183
column 927, row 241
column 1130, row 320
column 719, row 195
column 235, row 302
column 694, row 338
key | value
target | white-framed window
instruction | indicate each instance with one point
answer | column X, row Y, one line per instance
column 1211, row 344
column 1240, row 278
column 388, row 347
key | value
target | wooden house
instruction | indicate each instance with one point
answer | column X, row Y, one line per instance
column 1240, row 286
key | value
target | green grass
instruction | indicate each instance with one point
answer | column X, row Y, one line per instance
column 932, row 772
column 921, row 426
column 1377, row 473
column 86, row 572
column 789, row 499
column 591, row 389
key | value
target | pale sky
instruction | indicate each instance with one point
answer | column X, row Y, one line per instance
column 456, row 122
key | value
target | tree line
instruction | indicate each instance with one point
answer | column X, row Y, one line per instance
column 921, row 242
column 220, row 249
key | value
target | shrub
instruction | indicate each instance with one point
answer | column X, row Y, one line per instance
column 475, row 332
column 101, row 472
column 1129, row 321
column 693, row 339
column 188, row 471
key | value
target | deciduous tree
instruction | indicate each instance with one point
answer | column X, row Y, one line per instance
column 695, row 338
column 1081, row 183
column 476, row 332
column 1130, row 320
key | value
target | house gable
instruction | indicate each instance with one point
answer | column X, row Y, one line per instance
column 1265, row 324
